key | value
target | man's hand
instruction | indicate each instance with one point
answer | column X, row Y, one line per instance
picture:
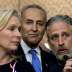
column 68, row 66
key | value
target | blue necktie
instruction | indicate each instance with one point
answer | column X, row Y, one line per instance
column 35, row 61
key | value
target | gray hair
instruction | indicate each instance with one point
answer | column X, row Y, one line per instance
column 64, row 18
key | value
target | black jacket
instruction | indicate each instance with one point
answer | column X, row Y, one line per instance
column 16, row 66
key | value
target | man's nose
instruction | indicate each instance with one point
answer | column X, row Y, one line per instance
column 61, row 41
column 34, row 27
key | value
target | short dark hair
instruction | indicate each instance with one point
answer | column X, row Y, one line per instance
column 67, row 19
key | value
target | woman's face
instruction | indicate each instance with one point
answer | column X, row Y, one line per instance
column 10, row 35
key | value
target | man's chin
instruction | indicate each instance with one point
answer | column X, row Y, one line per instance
column 60, row 57
column 33, row 41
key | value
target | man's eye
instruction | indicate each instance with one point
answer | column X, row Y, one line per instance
column 28, row 21
column 54, row 37
column 66, row 35
column 40, row 23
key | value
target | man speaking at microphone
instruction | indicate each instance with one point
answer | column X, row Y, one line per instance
column 59, row 33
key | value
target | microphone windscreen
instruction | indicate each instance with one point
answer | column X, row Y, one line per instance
column 65, row 57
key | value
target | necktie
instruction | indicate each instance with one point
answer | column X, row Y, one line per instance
column 35, row 61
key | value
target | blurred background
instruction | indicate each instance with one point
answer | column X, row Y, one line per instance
column 52, row 7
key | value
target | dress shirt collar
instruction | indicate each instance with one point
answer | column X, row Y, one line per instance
column 26, row 48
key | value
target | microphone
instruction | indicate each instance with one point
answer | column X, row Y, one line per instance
column 65, row 57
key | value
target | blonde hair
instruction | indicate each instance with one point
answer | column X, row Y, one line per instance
column 5, row 15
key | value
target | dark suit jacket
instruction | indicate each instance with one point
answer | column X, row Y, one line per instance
column 49, row 61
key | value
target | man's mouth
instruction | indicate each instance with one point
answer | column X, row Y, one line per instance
column 63, row 50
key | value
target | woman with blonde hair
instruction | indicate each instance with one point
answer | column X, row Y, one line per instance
column 9, row 41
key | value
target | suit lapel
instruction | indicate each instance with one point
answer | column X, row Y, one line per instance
column 20, row 52
column 44, row 62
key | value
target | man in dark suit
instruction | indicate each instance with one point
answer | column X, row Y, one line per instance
column 33, row 27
